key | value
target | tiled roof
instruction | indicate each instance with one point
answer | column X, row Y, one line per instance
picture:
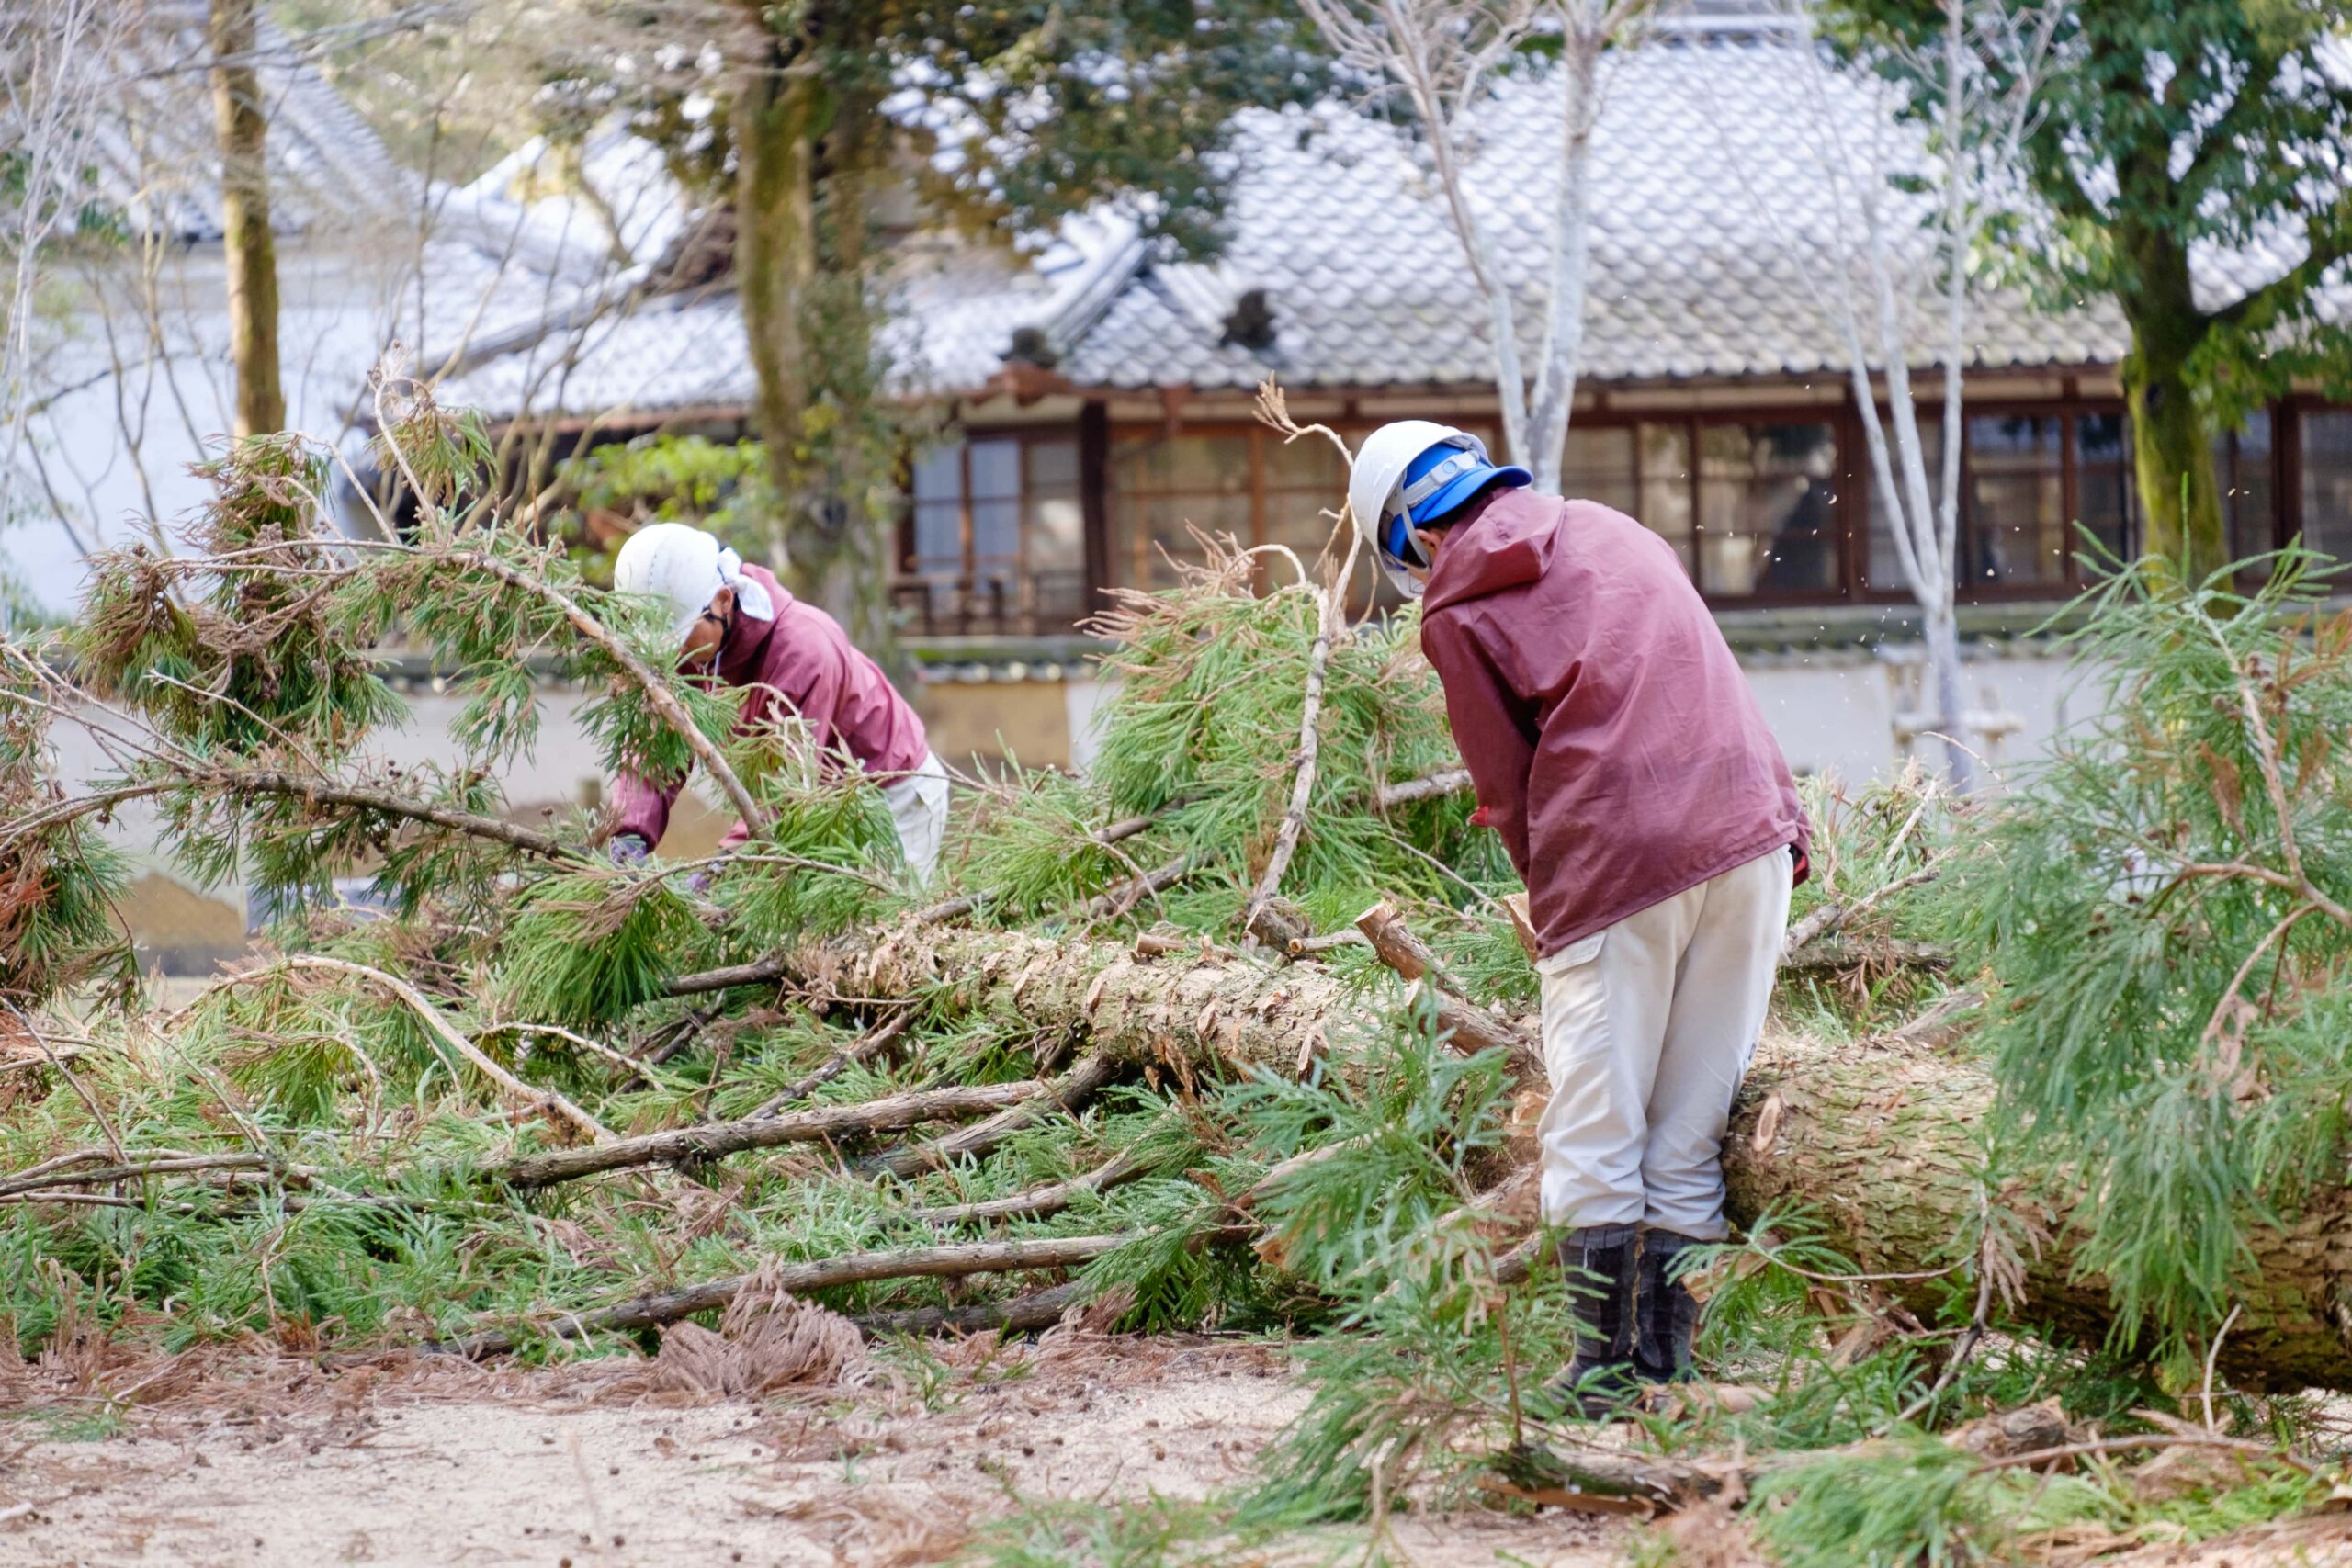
column 1704, row 188
column 155, row 154
column 1712, row 219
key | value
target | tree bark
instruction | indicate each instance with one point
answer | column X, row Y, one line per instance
column 775, row 258
column 1174, row 1013
column 1943, row 691
column 249, row 248
column 2172, row 444
column 1884, row 1141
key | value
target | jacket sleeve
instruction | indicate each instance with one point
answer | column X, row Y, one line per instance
column 642, row 807
column 1493, row 726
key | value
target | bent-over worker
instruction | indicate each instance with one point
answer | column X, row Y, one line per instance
column 738, row 623
column 1614, row 743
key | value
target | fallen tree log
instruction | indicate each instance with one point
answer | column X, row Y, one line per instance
column 1881, row 1141
column 1179, row 1012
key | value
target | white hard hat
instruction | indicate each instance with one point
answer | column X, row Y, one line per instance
column 1378, row 494
column 680, row 565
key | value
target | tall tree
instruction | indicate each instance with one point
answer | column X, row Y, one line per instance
column 1891, row 264
column 1008, row 116
column 2168, row 128
column 249, row 248
column 1441, row 58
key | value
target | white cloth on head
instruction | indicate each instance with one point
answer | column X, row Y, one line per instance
column 750, row 597
column 919, row 806
column 683, row 566
column 1648, row 1027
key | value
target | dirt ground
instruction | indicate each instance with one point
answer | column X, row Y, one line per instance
column 279, row 1467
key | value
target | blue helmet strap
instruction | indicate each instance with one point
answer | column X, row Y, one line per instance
column 1400, row 542
column 1442, row 474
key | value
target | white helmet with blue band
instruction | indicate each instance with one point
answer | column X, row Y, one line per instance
column 1410, row 473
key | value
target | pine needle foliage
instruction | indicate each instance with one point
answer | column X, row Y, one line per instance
column 1203, row 741
column 1916, row 1502
column 58, row 883
column 1421, row 1378
column 2165, row 907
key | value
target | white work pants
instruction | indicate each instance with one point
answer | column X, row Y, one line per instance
column 1648, row 1027
column 919, row 806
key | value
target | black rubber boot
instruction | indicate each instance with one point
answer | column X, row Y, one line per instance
column 1603, row 1271
column 1668, row 1315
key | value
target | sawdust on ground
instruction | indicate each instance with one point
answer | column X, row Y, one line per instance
column 436, row 1463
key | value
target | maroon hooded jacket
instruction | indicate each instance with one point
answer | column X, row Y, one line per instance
column 1611, row 738
column 803, row 661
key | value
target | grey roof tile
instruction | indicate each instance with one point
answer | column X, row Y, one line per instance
column 154, row 152
column 1703, row 187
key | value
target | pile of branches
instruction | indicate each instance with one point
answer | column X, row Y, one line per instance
column 1235, row 1031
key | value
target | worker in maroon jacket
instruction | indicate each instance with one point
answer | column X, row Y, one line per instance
column 737, row 621
column 1614, row 743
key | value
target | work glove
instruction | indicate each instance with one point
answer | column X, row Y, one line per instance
column 628, row 848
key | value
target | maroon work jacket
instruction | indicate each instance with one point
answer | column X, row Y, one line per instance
column 1611, row 735
column 803, row 661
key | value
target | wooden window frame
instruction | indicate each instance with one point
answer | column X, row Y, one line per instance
column 1122, row 566
column 1975, row 590
column 1844, row 434
column 912, row 589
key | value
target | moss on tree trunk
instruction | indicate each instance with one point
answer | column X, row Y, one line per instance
column 775, row 256
column 249, row 248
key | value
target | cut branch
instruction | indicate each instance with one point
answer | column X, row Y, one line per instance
column 1066, row 1093
column 310, row 787
column 657, row 691
column 826, row 1273
column 877, row 1039
column 1038, row 1309
column 447, row 1034
column 1471, row 1028
column 1444, row 781
column 718, row 1139
column 1039, row 1202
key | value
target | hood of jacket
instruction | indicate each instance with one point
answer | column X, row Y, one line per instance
column 1508, row 543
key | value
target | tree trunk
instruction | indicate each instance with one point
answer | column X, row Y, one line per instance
column 249, row 250
column 1944, row 692
column 2172, row 441
column 1169, row 1014
column 1884, row 1141
column 1562, row 349
column 843, row 555
column 1881, row 1139
column 775, row 258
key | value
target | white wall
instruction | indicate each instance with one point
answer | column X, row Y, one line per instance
column 1833, row 712
column 133, row 385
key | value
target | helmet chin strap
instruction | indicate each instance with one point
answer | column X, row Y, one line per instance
column 1408, row 548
